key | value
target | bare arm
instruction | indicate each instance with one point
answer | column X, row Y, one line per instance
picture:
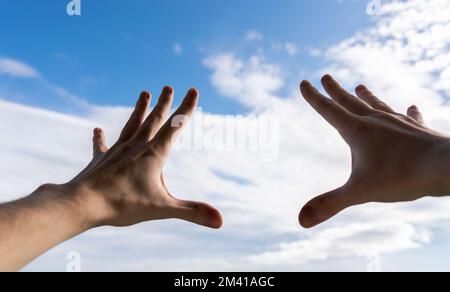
column 122, row 186
column 31, row 226
column 395, row 157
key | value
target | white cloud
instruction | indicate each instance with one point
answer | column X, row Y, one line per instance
column 290, row 48
column 254, row 36
column 362, row 240
column 16, row 68
column 252, row 82
column 405, row 56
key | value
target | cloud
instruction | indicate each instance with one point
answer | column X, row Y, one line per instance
column 254, row 36
column 30, row 87
column 177, row 49
column 405, row 56
column 16, row 68
column 362, row 240
column 290, row 48
column 253, row 82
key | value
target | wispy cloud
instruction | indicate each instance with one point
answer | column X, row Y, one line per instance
column 177, row 49
column 18, row 69
column 287, row 47
column 254, row 36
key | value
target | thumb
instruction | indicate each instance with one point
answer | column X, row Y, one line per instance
column 414, row 113
column 325, row 206
column 198, row 213
column 99, row 142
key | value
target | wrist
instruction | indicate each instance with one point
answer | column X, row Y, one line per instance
column 75, row 200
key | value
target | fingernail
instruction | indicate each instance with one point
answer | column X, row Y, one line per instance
column 361, row 87
column 307, row 216
column 327, row 78
column 215, row 219
column 167, row 90
column 192, row 91
column 97, row 131
column 305, row 83
column 145, row 94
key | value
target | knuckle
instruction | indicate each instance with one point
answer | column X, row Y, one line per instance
column 380, row 103
column 361, row 126
column 378, row 114
column 125, row 148
column 158, row 116
column 151, row 151
column 364, row 125
column 195, row 214
column 155, row 118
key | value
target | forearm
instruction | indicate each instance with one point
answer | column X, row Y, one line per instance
column 33, row 225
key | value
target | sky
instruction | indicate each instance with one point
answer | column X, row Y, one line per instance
column 61, row 76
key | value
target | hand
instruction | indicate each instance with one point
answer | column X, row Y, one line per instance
column 124, row 185
column 395, row 157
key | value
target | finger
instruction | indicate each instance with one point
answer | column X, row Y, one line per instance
column 156, row 118
column 325, row 206
column 414, row 113
column 165, row 137
column 198, row 213
column 342, row 97
column 136, row 118
column 99, row 142
column 365, row 94
column 335, row 114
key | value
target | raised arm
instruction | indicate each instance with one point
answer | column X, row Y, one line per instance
column 122, row 186
column 395, row 157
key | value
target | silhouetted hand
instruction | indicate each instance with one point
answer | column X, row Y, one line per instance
column 126, row 184
column 395, row 157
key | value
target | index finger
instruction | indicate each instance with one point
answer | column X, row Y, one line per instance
column 333, row 113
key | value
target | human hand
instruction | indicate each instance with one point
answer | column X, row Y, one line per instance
column 395, row 157
column 124, row 185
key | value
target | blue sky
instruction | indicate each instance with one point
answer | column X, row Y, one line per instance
column 116, row 48
column 62, row 76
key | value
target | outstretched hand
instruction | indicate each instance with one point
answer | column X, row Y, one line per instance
column 395, row 157
column 125, row 184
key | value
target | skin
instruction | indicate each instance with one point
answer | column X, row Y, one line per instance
column 395, row 157
column 122, row 186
